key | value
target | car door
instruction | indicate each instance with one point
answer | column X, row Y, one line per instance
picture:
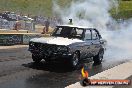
column 95, row 45
column 87, row 44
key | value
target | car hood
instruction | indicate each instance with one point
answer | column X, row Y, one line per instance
column 56, row 40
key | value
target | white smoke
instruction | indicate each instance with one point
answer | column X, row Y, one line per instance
column 91, row 13
column 95, row 13
column 119, row 42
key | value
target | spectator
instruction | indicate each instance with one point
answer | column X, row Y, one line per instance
column 70, row 22
column 47, row 23
column 17, row 26
column 44, row 31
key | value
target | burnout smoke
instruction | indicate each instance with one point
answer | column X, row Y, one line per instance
column 95, row 13
column 119, row 42
column 92, row 13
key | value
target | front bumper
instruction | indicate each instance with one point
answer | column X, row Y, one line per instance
column 60, row 57
column 52, row 56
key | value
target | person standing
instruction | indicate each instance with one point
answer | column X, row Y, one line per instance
column 17, row 26
column 70, row 22
column 47, row 23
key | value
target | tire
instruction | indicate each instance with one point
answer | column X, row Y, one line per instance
column 47, row 60
column 36, row 58
column 99, row 57
column 74, row 61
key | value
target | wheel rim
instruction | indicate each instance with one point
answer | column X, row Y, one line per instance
column 75, row 59
column 101, row 55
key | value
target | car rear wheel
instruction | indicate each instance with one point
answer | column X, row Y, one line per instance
column 74, row 61
column 99, row 57
column 36, row 58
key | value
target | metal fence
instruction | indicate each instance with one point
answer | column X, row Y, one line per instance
column 25, row 25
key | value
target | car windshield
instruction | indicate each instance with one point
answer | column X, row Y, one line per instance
column 69, row 32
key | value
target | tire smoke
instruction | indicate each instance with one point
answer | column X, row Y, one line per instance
column 95, row 13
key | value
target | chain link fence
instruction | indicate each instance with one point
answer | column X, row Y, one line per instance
column 9, row 25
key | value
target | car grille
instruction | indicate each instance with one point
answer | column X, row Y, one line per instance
column 48, row 47
column 45, row 48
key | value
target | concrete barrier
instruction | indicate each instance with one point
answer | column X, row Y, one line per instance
column 17, row 38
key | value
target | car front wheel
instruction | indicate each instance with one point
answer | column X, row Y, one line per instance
column 99, row 57
column 36, row 58
column 74, row 61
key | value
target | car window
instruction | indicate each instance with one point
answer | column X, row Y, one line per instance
column 87, row 35
column 79, row 31
column 76, row 33
column 69, row 32
column 73, row 31
column 59, row 31
column 94, row 35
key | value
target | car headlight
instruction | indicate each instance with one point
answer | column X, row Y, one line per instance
column 62, row 48
column 31, row 44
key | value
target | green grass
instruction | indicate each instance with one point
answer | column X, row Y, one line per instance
column 44, row 7
column 35, row 7
column 124, row 10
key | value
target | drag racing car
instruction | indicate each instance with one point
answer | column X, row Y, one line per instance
column 70, row 44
